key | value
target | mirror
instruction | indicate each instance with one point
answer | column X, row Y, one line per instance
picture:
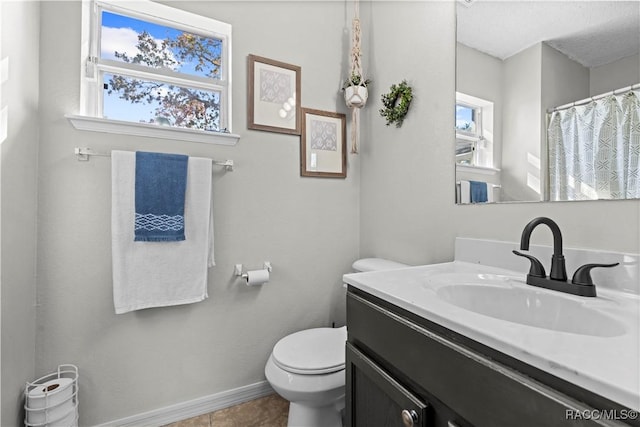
column 518, row 61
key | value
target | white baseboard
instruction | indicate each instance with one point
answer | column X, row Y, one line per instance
column 196, row 407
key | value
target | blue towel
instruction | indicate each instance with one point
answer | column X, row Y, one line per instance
column 161, row 182
column 478, row 191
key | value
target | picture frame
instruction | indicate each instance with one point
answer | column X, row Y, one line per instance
column 323, row 144
column 273, row 95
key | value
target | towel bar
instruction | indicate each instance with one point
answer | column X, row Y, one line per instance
column 83, row 154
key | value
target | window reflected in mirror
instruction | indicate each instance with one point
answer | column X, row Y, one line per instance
column 474, row 131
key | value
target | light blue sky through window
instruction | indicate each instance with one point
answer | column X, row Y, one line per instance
column 465, row 118
column 120, row 34
column 119, row 109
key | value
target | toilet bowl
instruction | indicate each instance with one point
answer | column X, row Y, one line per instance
column 308, row 367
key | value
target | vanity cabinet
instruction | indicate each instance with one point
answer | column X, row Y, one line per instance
column 403, row 370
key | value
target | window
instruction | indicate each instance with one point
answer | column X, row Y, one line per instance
column 151, row 64
column 474, row 131
column 468, row 120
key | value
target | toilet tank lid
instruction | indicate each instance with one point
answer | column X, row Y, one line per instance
column 375, row 264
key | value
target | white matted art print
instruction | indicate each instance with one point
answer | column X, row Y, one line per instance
column 323, row 144
column 273, row 95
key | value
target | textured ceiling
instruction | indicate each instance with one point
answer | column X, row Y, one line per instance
column 590, row 32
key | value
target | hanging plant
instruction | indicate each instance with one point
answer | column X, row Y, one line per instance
column 396, row 103
column 355, row 87
column 356, row 80
column 355, row 91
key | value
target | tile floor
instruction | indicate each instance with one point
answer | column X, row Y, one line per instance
column 269, row 411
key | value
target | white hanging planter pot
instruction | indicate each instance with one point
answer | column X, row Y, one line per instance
column 356, row 96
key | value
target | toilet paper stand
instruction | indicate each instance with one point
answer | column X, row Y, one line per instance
column 53, row 399
column 238, row 270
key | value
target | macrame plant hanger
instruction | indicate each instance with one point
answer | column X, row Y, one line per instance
column 356, row 100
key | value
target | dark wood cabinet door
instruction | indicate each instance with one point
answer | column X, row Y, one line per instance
column 374, row 398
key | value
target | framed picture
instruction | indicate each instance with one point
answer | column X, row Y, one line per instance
column 274, row 95
column 323, row 151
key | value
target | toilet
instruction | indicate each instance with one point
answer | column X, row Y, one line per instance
column 307, row 367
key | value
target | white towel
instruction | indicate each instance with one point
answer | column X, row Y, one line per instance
column 465, row 192
column 158, row 274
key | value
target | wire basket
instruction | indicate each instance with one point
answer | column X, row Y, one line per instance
column 52, row 400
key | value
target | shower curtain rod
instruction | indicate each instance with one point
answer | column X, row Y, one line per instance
column 83, row 153
column 594, row 98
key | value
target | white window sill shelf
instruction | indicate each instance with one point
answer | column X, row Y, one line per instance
column 97, row 124
column 477, row 169
column 465, row 137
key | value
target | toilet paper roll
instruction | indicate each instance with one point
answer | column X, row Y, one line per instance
column 71, row 420
column 257, row 277
column 61, row 415
column 50, row 393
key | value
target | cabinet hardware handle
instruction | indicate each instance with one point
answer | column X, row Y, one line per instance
column 409, row 417
column 451, row 424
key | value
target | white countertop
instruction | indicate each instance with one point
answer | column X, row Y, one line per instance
column 608, row 366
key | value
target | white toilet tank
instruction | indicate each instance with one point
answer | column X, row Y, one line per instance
column 375, row 264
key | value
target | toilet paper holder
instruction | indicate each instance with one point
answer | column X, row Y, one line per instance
column 239, row 267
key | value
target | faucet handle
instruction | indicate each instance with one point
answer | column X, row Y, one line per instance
column 536, row 269
column 582, row 276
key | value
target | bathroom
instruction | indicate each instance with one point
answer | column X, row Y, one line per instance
column 396, row 202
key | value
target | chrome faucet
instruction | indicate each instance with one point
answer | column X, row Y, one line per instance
column 581, row 283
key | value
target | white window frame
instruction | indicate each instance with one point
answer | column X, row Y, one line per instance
column 91, row 90
column 472, row 136
column 481, row 108
column 477, row 111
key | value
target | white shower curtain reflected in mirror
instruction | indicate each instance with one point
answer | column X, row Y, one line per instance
column 594, row 149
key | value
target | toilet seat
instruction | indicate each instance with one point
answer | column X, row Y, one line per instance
column 312, row 351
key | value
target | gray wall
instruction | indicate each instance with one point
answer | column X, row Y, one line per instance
column 616, row 75
column 264, row 211
column 407, row 173
column 563, row 80
column 19, row 188
column 521, row 134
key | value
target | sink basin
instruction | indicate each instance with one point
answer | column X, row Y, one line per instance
column 499, row 297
